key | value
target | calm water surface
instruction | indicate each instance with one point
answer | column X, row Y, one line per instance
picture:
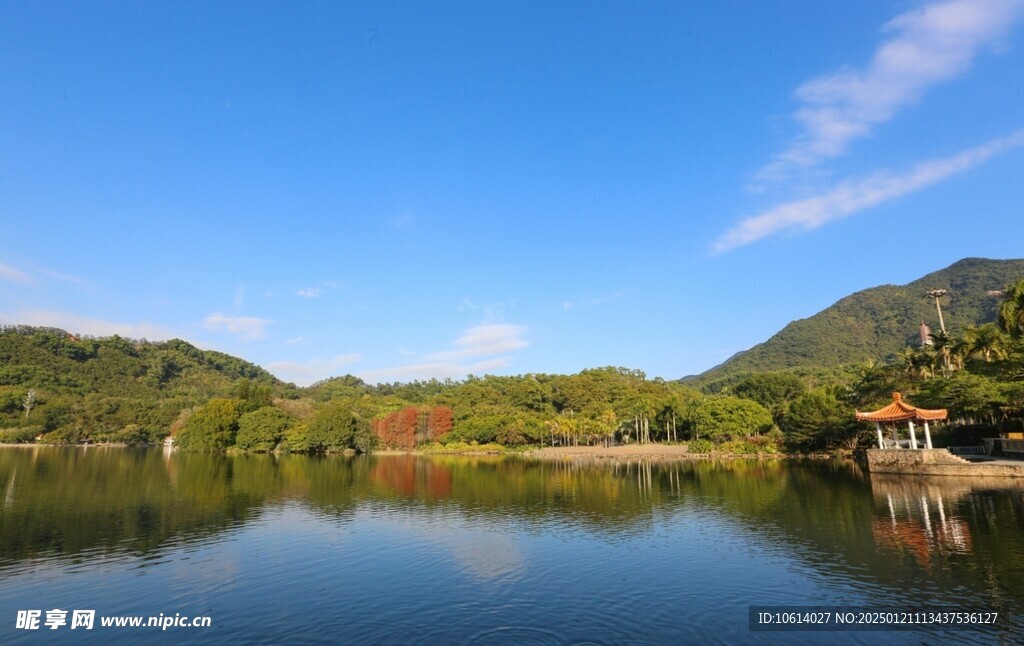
column 401, row 549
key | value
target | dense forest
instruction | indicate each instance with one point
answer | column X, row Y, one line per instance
column 56, row 387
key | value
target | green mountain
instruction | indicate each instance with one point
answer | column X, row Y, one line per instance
column 110, row 383
column 878, row 323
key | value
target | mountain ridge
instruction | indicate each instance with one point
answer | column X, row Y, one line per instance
column 878, row 322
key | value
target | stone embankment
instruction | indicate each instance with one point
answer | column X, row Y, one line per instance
column 939, row 462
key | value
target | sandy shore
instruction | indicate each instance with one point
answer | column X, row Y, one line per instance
column 626, row 453
column 619, row 453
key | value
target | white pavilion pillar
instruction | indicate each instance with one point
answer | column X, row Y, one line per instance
column 927, row 436
column 881, row 440
column 913, row 437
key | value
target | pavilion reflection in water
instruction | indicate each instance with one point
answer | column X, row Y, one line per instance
column 920, row 517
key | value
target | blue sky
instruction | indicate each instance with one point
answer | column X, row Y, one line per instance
column 406, row 190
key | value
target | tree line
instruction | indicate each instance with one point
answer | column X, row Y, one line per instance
column 58, row 388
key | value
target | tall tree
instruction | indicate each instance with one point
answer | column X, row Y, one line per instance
column 30, row 402
column 1011, row 312
column 439, row 422
column 943, row 346
column 818, row 420
column 212, row 427
column 730, row 418
column 985, row 340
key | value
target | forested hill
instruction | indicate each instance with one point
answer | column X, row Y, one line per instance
column 112, row 378
column 54, row 358
column 880, row 322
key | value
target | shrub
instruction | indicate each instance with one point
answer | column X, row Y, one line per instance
column 21, row 435
column 770, row 442
column 700, row 446
column 63, row 435
column 462, row 447
column 134, row 434
column 739, row 447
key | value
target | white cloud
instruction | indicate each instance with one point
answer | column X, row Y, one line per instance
column 929, row 45
column 852, row 196
column 484, row 340
column 89, row 326
column 244, row 328
column 309, row 292
column 304, row 374
column 14, row 275
column 296, row 340
column 479, row 349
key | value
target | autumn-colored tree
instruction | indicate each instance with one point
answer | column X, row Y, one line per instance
column 439, row 422
column 398, row 430
column 408, row 419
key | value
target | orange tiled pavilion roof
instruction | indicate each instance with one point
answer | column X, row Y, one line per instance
column 899, row 411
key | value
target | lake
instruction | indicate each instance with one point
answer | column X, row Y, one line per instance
column 486, row 550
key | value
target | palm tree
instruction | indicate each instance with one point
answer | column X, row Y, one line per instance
column 872, row 381
column 918, row 362
column 943, row 345
column 1011, row 312
column 985, row 340
column 959, row 352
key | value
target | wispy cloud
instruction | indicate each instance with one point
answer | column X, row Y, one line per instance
column 244, row 328
column 484, row 340
column 61, row 276
column 935, row 43
column 478, row 349
column 26, row 277
column 492, row 312
column 568, row 306
column 90, row 326
column 295, row 341
column 306, row 373
column 14, row 275
column 852, row 196
column 309, row 292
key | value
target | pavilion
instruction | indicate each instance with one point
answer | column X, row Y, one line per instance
column 899, row 411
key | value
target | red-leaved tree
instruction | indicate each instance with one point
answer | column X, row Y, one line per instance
column 439, row 422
